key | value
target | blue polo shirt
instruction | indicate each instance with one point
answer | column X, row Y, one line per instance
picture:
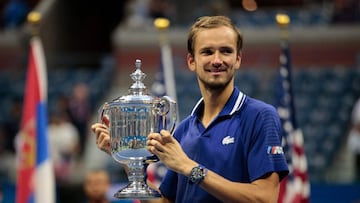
column 242, row 144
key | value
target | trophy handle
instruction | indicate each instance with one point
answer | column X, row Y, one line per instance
column 167, row 110
column 104, row 114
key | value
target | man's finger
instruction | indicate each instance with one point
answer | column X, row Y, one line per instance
column 166, row 136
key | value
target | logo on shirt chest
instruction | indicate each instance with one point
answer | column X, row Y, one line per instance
column 228, row 140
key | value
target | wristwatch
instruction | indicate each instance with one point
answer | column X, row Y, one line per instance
column 197, row 174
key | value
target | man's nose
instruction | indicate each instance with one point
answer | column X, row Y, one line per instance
column 217, row 61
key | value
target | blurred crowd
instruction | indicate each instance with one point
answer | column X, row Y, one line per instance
column 14, row 13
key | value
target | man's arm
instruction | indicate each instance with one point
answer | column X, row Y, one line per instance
column 264, row 189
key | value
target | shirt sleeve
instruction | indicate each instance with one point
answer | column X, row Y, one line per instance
column 266, row 154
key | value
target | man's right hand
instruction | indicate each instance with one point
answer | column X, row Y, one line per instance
column 102, row 137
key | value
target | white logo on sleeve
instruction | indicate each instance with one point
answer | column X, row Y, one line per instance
column 228, row 140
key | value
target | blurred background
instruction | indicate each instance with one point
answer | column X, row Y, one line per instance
column 91, row 47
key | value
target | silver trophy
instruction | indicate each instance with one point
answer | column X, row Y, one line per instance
column 130, row 119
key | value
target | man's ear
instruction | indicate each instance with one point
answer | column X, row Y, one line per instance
column 238, row 60
column 190, row 61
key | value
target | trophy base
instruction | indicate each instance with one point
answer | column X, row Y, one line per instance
column 133, row 191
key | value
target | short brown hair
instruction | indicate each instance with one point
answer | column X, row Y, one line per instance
column 208, row 22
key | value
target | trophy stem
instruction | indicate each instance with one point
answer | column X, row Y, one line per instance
column 137, row 187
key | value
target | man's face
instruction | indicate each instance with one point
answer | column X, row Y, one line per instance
column 96, row 185
column 215, row 57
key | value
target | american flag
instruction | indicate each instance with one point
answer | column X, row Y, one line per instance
column 295, row 188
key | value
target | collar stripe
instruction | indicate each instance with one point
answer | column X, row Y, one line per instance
column 239, row 102
column 196, row 106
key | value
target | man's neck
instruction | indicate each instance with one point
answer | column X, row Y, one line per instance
column 214, row 102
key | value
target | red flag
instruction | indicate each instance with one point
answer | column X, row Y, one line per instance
column 35, row 179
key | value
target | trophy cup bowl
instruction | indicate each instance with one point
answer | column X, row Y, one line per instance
column 130, row 119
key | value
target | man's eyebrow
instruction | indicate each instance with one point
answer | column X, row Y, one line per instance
column 205, row 47
column 212, row 47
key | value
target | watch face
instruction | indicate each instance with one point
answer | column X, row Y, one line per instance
column 197, row 174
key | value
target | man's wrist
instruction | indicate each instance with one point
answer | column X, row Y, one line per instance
column 197, row 174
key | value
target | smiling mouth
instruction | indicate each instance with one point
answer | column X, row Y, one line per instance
column 216, row 70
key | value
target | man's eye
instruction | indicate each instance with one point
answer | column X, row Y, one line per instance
column 207, row 52
column 227, row 51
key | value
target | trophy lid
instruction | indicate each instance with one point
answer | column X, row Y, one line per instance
column 138, row 87
column 137, row 91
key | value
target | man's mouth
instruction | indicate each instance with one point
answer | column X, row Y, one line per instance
column 216, row 70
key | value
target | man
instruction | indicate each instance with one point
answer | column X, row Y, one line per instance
column 229, row 148
column 96, row 185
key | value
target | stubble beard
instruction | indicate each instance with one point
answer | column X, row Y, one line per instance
column 215, row 86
